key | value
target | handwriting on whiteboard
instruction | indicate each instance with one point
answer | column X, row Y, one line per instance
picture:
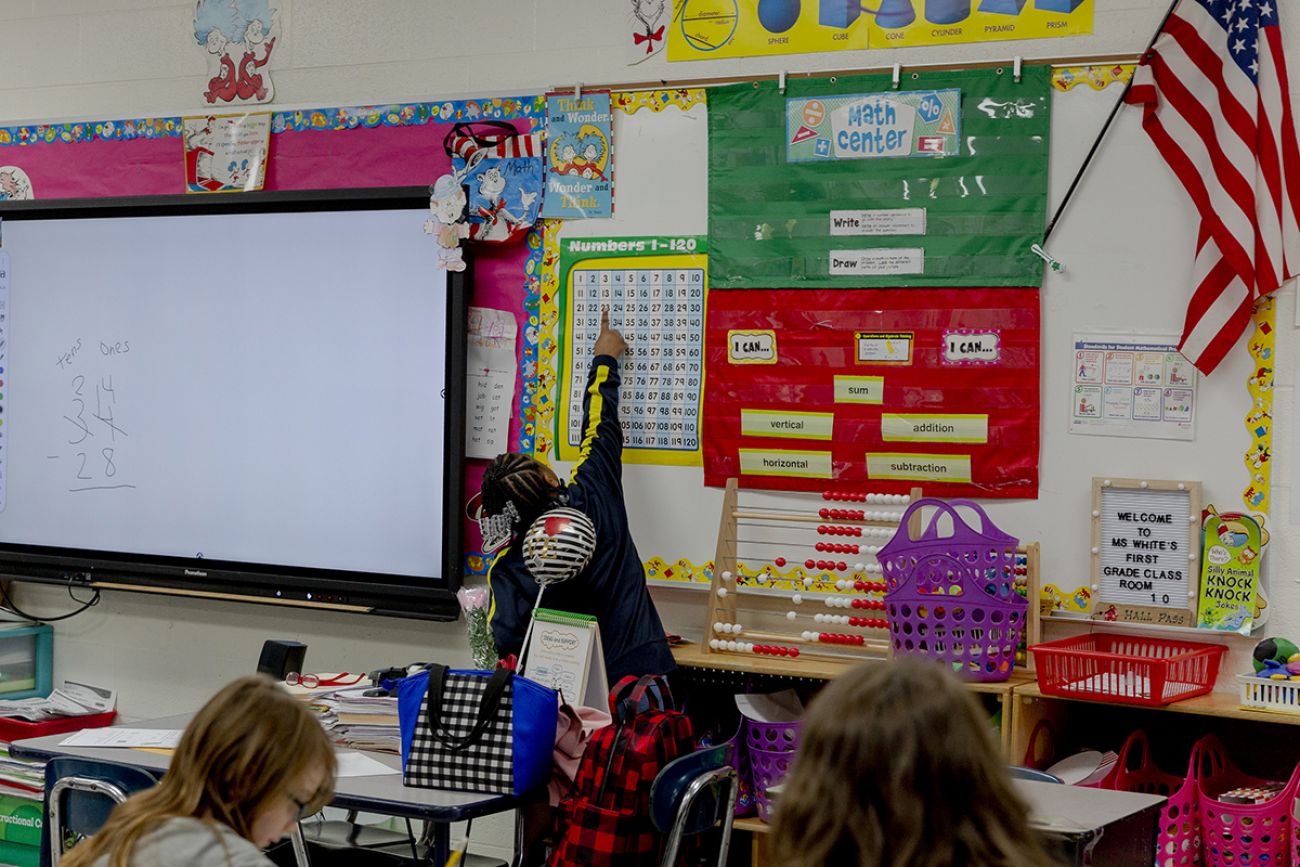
column 90, row 458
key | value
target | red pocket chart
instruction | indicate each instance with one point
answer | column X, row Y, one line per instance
column 885, row 389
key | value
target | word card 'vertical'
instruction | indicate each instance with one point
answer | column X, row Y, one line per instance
column 1144, row 550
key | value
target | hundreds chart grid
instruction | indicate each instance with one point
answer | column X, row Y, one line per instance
column 660, row 312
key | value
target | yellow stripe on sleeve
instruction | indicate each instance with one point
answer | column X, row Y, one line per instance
column 594, row 411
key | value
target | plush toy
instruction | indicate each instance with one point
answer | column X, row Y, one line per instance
column 1275, row 650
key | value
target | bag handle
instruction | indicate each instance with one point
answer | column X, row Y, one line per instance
column 1041, row 728
column 487, row 708
column 1208, row 759
column 628, row 694
column 987, row 528
column 1135, row 747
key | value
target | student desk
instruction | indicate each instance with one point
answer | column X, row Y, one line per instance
column 384, row 794
column 1084, row 826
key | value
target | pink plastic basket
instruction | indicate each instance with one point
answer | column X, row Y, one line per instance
column 1241, row 834
column 951, row 595
column 1179, row 837
column 767, row 768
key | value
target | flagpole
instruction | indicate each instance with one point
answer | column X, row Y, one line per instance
column 1060, row 209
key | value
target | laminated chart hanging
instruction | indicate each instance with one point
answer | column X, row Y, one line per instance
column 826, row 390
column 654, row 288
column 848, row 183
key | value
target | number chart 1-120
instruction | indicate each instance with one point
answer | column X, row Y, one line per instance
column 657, row 301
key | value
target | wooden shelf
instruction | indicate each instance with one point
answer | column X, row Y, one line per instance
column 695, row 656
column 1216, row 704
column 752, row 824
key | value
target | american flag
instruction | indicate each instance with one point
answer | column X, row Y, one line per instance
column 1213, row 89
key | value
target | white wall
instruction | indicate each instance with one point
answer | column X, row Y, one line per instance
column 114, row 58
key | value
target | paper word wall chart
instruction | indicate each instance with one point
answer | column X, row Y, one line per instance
column 816, row 390
column 654, row 289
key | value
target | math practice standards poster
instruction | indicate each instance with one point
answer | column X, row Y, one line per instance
column 654, row 288
column 814, row 390
column 1132, row 386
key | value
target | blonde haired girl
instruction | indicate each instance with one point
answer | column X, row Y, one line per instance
column 249, row 765
column 897, row 768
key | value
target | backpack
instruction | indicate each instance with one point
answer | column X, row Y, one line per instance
column 605, row 820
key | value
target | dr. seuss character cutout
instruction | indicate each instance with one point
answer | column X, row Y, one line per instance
column 14, row 184
column 239, row 36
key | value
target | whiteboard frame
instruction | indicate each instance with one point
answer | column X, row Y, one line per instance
column 274, row 584
column 1184, row 615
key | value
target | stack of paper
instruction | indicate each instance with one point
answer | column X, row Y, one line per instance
column 360, row 721
column 71, row 699
column 20, row 779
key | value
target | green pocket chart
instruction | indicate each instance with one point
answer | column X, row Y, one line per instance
column 849, row 182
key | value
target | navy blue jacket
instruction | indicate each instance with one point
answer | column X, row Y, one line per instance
column 613, row 586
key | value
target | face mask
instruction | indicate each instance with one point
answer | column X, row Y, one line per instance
column 497, row 530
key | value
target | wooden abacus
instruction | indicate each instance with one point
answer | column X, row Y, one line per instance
column 756, row 601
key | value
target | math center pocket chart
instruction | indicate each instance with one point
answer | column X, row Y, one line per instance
column 655, row 291
column 818, row 390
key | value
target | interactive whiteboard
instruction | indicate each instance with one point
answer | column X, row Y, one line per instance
column 263, row 390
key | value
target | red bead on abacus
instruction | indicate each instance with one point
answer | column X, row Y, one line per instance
column 809, row 564
column 779, row 561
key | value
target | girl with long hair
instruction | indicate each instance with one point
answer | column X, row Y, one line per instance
column 249, row 765
column 897, row 768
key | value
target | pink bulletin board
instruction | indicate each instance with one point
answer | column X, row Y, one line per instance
column 327, row 148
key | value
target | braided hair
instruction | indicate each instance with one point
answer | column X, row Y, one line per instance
column 519, row 479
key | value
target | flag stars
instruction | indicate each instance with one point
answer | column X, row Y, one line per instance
column 1254, row 67
column 1265, row 10
column 1239, row 46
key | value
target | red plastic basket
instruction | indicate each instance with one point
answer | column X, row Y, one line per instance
column 16, row 729
column 1127, row 669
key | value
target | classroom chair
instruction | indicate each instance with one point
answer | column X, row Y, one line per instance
column 79, row 793
column 692, row 794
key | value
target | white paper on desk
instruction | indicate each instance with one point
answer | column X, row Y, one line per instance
column 124, row 737
column 490, row 380
column 361, row 765
column 783, row 706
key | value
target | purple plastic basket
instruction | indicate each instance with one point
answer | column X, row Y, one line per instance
column 767, row 768
column 952, row 597
column 773, row 737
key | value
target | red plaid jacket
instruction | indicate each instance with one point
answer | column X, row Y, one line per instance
column 606, row 819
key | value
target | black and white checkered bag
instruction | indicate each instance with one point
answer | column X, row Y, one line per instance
column 476, row 731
